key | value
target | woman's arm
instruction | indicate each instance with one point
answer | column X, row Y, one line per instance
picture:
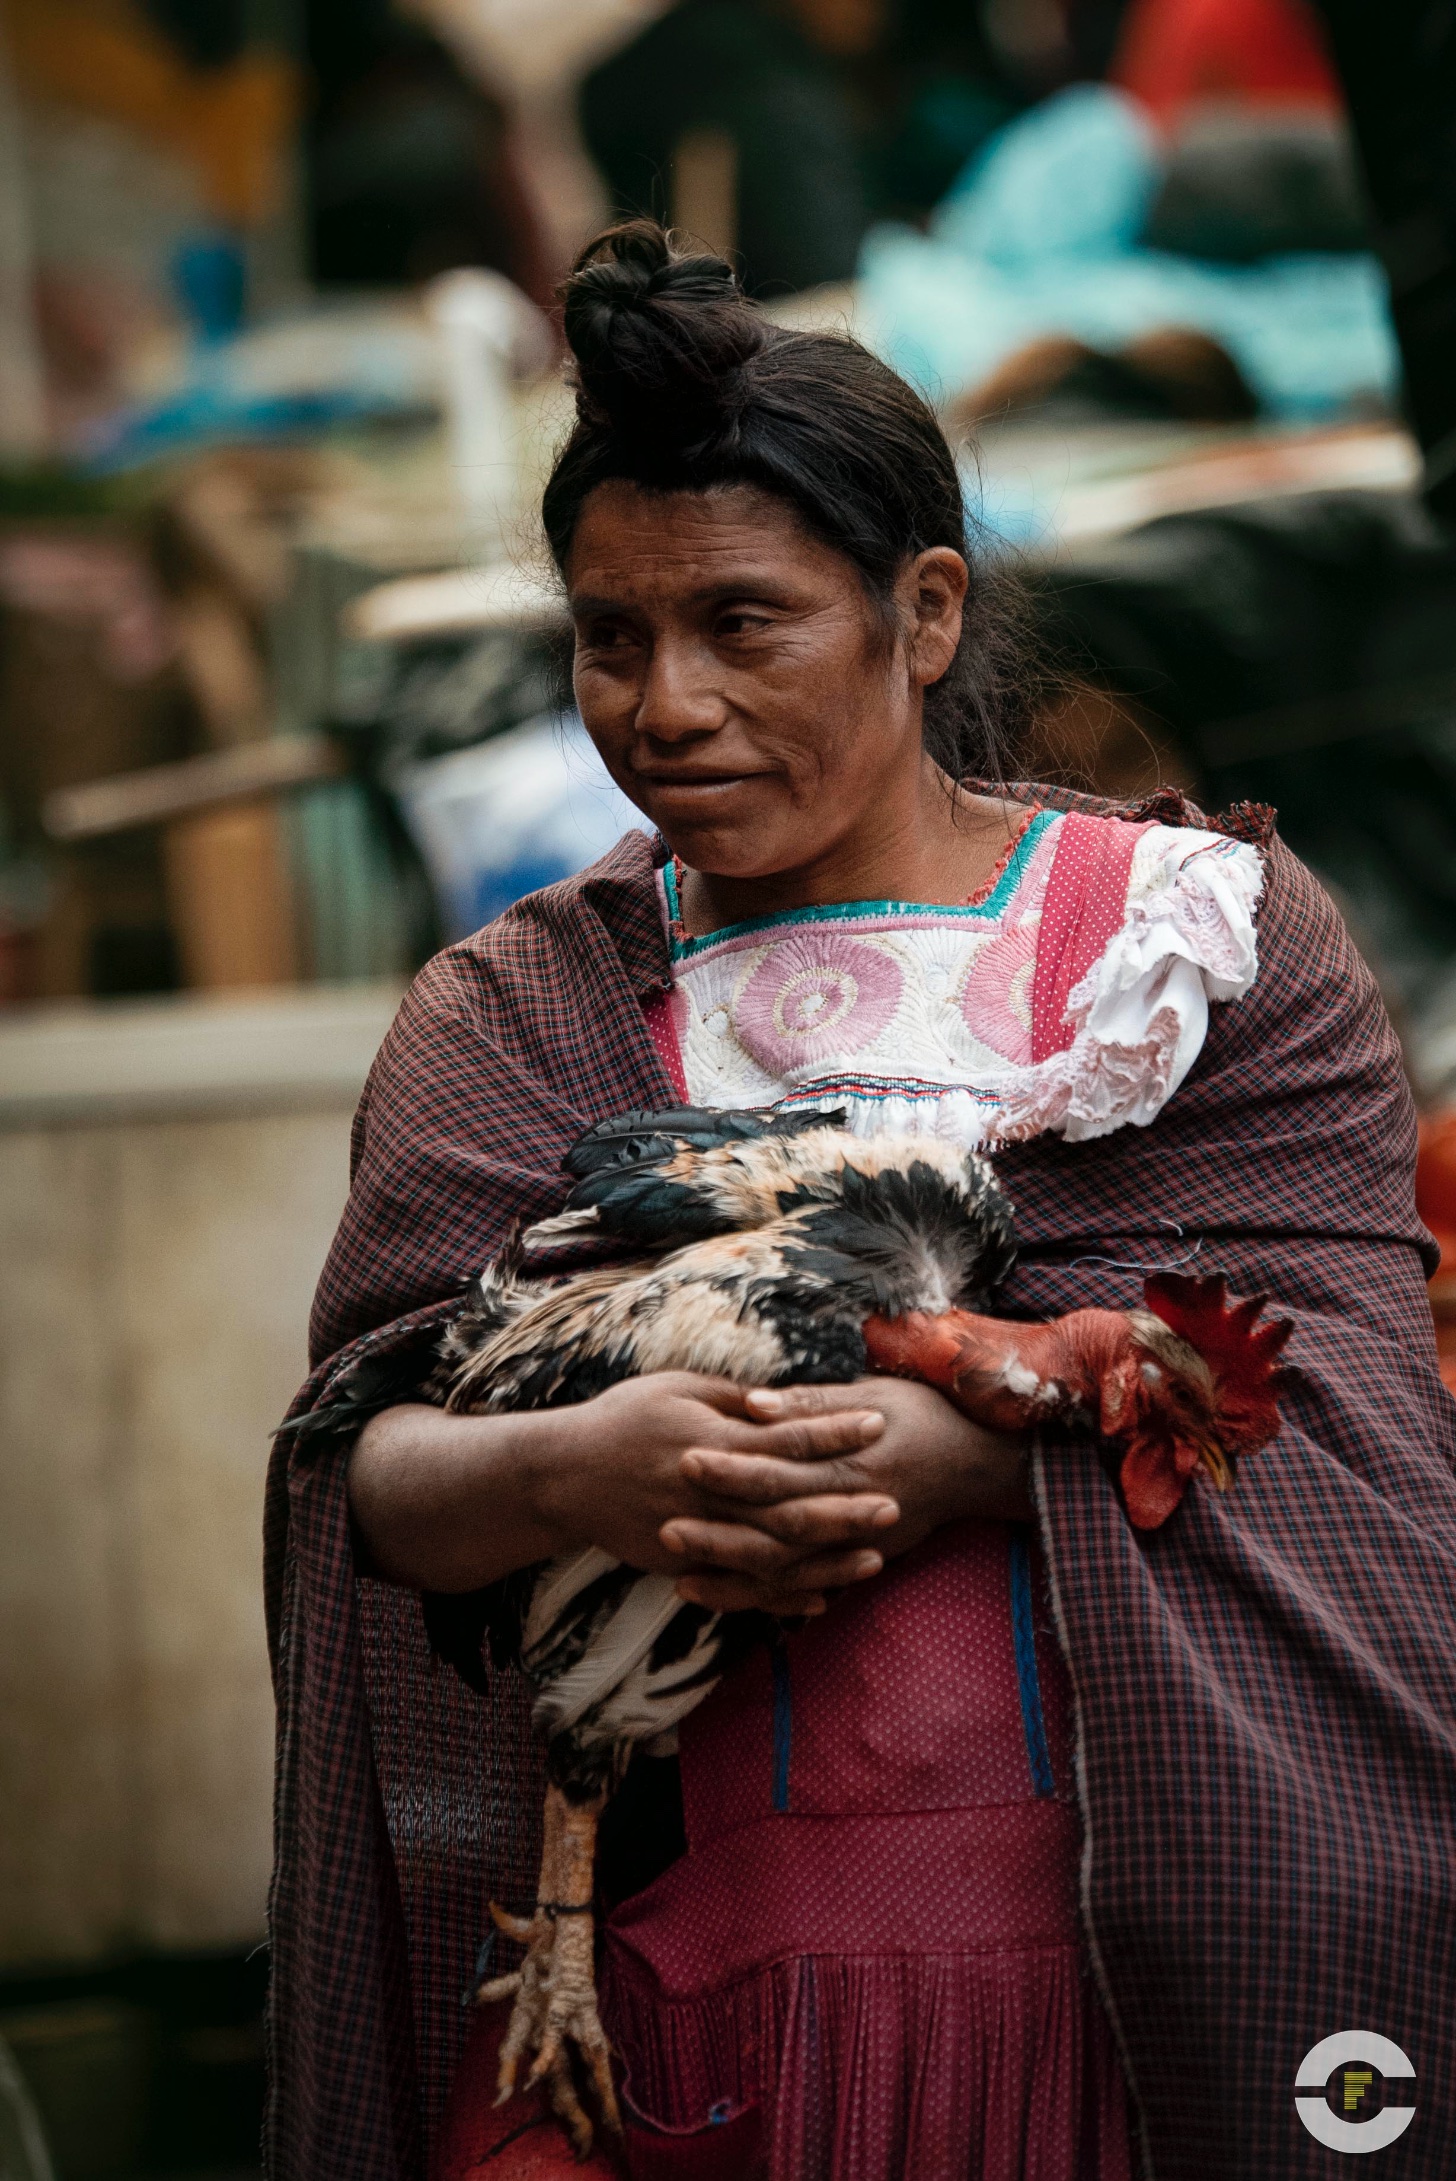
column 757, row 1499
column 446, row 1502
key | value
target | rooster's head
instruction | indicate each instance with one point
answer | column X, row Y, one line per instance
column 1196, row 1388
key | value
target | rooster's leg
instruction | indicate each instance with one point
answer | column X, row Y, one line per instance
column 571, row 2009
column 536, row 1932
column 554, row 1989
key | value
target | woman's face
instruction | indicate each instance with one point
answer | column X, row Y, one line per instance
column 740, row 683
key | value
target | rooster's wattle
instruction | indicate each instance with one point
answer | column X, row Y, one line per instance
column 774, row 1250
column 1188, row 1382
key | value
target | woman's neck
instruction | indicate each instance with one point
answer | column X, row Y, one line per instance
column 941, row 851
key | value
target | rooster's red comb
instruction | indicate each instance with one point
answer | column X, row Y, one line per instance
column 1241, row 1353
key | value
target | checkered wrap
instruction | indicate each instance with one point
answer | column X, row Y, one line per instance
column 1266, row 1688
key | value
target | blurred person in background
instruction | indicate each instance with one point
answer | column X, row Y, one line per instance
column 1178, row 54
column 754, row 96
column 151, row 145
column 831, row 113
column 411, row 167
column 1246, row 97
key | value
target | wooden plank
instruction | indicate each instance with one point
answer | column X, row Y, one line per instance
column 159, row 792
column 230, row 897
column 454, row 602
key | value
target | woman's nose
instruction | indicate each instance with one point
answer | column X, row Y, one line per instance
column 680, row 697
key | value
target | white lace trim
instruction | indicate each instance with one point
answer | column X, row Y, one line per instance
column 1141, row 1012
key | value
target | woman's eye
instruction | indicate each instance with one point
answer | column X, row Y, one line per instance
column 741, row 621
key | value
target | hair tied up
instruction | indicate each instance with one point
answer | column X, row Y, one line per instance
column 660, row 337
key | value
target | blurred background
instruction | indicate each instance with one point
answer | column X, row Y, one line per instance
column 280, row 702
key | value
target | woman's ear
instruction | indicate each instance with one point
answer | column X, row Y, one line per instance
column 932, row 594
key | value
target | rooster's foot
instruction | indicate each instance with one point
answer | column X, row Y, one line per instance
column 554, row 1989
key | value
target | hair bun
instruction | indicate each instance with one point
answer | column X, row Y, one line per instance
column 659, row 336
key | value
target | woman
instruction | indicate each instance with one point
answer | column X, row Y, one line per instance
column 1012, row 1853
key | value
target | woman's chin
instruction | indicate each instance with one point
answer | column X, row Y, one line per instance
column 738, row 839
column 722, row 854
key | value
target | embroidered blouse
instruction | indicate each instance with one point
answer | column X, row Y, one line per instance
column 1072, row 995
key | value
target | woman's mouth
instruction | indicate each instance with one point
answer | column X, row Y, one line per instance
column 693, row 789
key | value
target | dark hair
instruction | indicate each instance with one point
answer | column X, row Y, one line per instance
column 683, row 385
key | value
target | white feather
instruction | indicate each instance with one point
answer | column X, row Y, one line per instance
column 562, row 1581
column 614, row 1652
column 651, row 1701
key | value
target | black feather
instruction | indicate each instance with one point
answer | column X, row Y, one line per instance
column 649, row 1208
column 876, row 1214
column 819, row 1343
column 375, row 1383
column 643, row 1139
column 455, row 1624
column 680, row 1634
column 618, row 1169
column 459, row 1624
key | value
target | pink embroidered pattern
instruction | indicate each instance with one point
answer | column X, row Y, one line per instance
column 996, row 993
column 816, row 995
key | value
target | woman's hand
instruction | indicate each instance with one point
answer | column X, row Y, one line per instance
column 621, row 1476
column 446, row 1502
column 927, row 1459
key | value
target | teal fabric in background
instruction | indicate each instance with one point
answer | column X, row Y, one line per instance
column 1040, row 234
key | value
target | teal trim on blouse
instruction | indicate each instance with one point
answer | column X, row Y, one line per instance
column 839, row 911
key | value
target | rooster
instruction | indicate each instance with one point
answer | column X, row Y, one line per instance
column 773, row 1250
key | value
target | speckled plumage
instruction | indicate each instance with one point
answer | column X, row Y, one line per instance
column 767, row 1242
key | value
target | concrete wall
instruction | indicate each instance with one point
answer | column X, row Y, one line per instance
column 170, row 1178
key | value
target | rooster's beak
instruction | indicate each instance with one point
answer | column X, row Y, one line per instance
column 1216, row 1462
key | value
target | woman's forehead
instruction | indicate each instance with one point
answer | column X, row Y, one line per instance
column 628, row 535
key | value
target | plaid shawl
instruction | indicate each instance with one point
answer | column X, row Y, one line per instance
column 1266, row 1689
